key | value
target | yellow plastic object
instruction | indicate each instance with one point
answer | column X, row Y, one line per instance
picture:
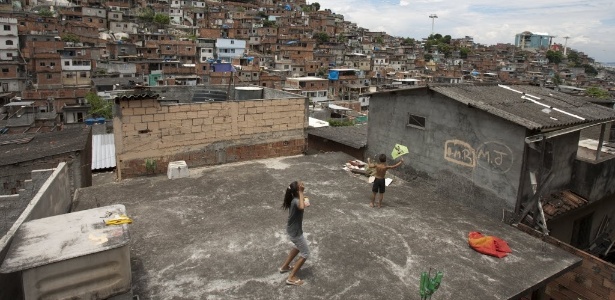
column 119, row 220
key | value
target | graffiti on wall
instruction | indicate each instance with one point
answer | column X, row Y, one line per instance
column 492, row 156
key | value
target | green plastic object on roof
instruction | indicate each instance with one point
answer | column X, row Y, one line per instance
column 428, row 285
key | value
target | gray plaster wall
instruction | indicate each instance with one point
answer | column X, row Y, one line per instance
column 559, row 159
column 475, row 157
column 594, row 180
column 52, row 198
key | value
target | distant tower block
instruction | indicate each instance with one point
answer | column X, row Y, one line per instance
column 565, row 44
column 177, row 169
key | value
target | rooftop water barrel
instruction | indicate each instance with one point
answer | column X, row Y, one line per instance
column 248, row 93
column 90, row 121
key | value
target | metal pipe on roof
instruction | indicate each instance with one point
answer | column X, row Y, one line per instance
column 551, row 134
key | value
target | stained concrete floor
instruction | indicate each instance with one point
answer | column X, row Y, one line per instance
column 220, row 234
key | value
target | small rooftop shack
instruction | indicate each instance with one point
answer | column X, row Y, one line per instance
column 495, row 148
column 220, row 233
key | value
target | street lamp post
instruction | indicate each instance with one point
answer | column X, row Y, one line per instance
column 432, row 17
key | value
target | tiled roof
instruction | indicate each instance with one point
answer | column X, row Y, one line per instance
column 352, row 136
column 137, row 96
column 42, row 144
column 526, row 105
column 562, row 202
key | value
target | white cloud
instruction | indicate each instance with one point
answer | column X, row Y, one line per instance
column 589, row 24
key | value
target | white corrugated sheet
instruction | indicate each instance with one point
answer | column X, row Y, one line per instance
column 103, row 151
column 316, row 123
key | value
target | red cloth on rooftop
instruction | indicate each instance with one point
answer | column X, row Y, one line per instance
column 489, row 245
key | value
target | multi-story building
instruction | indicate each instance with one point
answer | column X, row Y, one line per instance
column 314, row 88
column 529, row 40
column 228, row 49
column 12, row 75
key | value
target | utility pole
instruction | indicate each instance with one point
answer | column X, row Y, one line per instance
column 432, row 17
column 565, row 43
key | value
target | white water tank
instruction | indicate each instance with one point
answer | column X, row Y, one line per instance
column 248, row 92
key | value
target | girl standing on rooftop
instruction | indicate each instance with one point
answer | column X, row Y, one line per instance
column 294, row 202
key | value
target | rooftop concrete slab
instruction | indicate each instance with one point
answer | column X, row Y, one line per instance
column 220, row 234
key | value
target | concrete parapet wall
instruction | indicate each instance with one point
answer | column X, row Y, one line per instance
column 52, row 198
column 593, row 279
column 148, row 135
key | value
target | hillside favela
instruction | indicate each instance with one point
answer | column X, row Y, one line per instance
column 274, row 149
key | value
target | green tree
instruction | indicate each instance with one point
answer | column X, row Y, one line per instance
column 463, row 52
column 321, row 37
column 162, row 19
column 408, row 41
column 427, row 57
column 554, row 57
column 597, row 92
column 45, row 13
column 267, row 23
column 340, row 123
column 99, row 108
column 70, row 37
column 590, row 70
column 573, row 59
column 379, row 40
column 446, row 39
column 444, row 49
column 557, row 80
column 316, row 6
column 147, row 15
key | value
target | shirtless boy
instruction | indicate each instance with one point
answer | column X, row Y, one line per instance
column 381, row 171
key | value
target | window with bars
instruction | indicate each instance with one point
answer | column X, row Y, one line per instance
column 416, row 121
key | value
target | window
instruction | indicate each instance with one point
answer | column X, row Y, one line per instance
column 49, row 76
column 9, row 43
column 232, row 42
column 9, row 54
column 7, row 27
column 42, row 64
column 67, row 63
column 83, row 75
column 416, row 121
column 53, row 64
column 5, row 70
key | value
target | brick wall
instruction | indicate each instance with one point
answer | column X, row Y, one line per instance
column 151, row 135
column 593, row 279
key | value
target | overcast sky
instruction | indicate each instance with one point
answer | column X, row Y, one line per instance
column 590, row 25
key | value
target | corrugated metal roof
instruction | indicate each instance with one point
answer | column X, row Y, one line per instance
column 103, row 151
column 562, row 202
column 47, row 144
column 528, row 105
